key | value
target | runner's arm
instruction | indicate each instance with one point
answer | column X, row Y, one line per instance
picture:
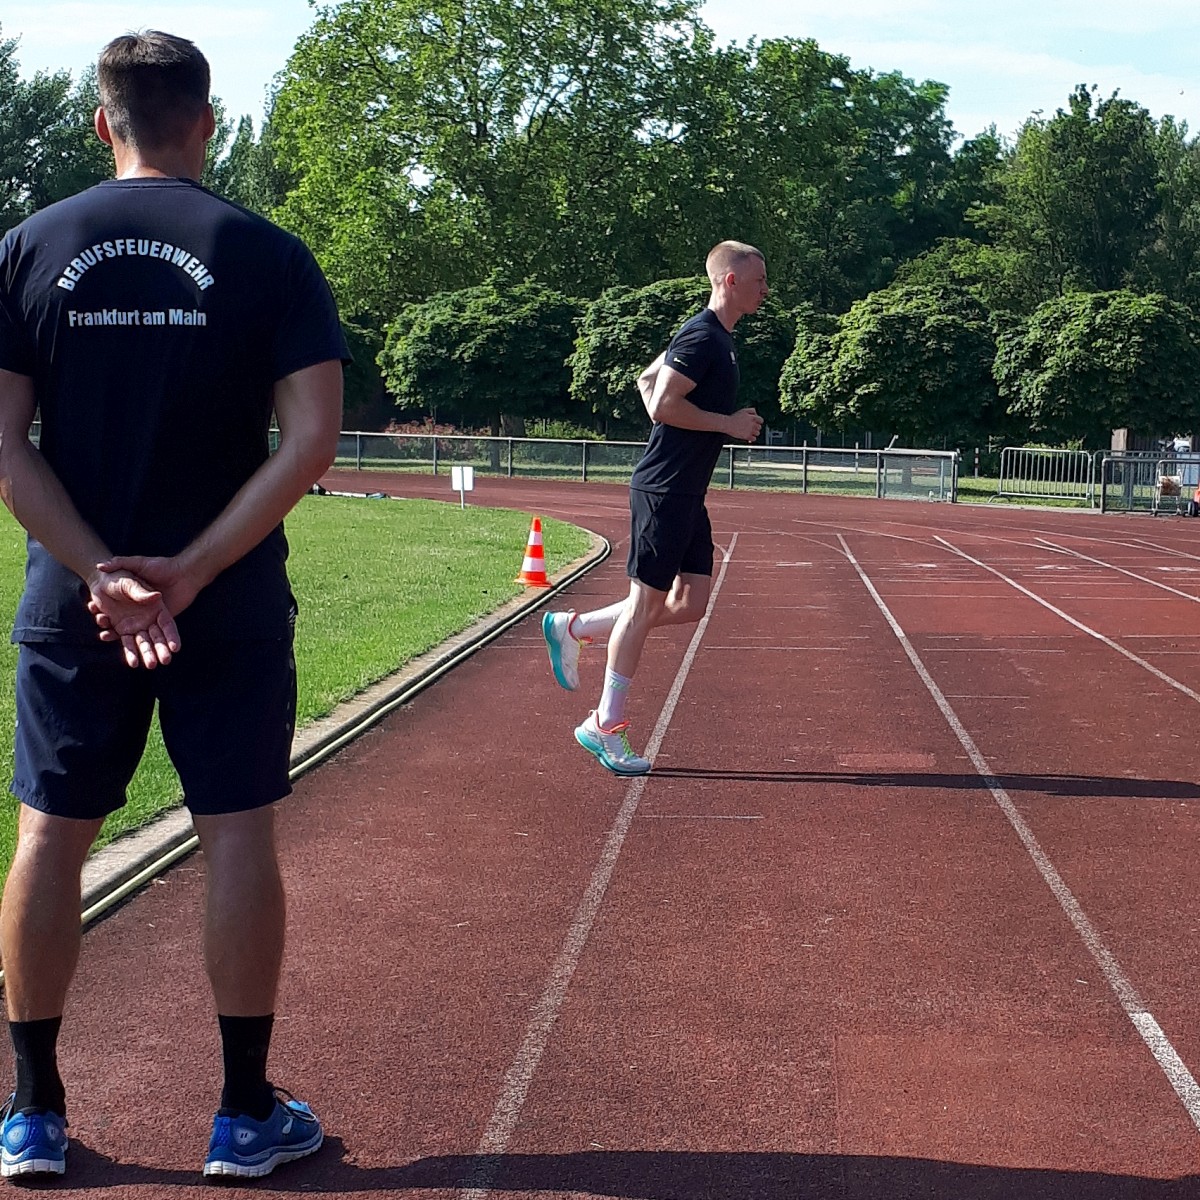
column 669, row 405
column 645, row 383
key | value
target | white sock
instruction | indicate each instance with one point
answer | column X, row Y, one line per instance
column 596, row 624
column 611, row 709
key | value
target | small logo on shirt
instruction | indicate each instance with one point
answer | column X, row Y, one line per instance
column 680, row 361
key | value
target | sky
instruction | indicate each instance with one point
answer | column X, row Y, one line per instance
column 1002, row 62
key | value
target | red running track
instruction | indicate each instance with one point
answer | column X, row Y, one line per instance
column 907, row 908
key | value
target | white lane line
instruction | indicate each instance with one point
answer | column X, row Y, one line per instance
column 993, row 650
column 1113, row 567
column 1169, row 550
column 697, row 817
column 515, row 1087
column 1070, row 620
column 746, row 651
column 1172, row 1065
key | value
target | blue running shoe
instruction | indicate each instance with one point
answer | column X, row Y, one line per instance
column 611, row 746
column 32, row 1143
column 249, row 1149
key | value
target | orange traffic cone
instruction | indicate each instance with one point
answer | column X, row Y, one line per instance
column 533, row 569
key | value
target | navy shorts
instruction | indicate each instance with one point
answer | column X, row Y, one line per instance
column 227, row 712
column 669, row 535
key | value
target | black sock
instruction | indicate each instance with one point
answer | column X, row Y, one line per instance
column 39, row 1084
column 244, row 1045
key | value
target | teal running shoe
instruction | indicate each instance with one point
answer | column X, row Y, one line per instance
column 611, row 747
column 563, row 647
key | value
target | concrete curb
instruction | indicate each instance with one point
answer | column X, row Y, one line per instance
column 128, row 864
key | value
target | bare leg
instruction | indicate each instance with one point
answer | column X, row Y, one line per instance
column 598, row 623
column 245, row 911
column 39, row 920
column 687, row 600
column 646, row 609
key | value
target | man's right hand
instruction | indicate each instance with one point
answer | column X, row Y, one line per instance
column 745, row 425
column 128, row 611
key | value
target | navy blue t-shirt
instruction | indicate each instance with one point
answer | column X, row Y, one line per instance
column 681, row 461
column 155, row 318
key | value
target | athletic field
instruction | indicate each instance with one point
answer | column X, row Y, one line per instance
column 907, row 908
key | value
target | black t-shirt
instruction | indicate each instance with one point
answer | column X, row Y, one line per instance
column 155, row 318
column 681, row 461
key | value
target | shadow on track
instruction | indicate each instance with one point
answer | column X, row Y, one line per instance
column 646, row 1175
column 666, row 1175
column 1050, row 785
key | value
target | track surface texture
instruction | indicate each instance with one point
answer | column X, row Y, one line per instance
column 907, row 908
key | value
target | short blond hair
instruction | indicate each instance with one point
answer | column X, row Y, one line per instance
column 728, row 256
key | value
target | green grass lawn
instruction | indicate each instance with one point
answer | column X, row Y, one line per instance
column 378, row 582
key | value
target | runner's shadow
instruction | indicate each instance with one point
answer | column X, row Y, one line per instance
column 1050, row 785
column 650, row 1175
column 663, row 1175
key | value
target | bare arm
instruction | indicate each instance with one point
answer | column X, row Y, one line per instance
column 33, row 492
column 38, row 500
column 646, row 379
column 308, row 405
column 669, row 405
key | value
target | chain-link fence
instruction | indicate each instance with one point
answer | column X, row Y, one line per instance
column 897, row 474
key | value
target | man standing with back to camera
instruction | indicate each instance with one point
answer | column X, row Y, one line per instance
column 155, row 326
column 689, row 391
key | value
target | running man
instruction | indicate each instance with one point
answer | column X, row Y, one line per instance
column 690, row 392
column 156, row 327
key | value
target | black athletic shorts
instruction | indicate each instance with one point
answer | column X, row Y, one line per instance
column 227, row 712
column 668, row 536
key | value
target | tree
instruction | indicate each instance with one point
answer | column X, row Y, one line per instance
column 1089, row 363
column 46, row 140
column 625, row 329
column 765, row 340
column 75, row 158
column 492, row 354
column 1079, row 197
column 48, row 144
column 229, row 169
column 836, row 174
column 366, row 403
column 910, row 361
column 620, row 333
column 434, row 142
column 1171, row 264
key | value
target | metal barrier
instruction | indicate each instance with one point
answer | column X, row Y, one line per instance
column 896, row 474
column 1147, row 482
column 1038, row 472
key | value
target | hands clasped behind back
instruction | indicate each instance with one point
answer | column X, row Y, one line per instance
column 134, row 601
